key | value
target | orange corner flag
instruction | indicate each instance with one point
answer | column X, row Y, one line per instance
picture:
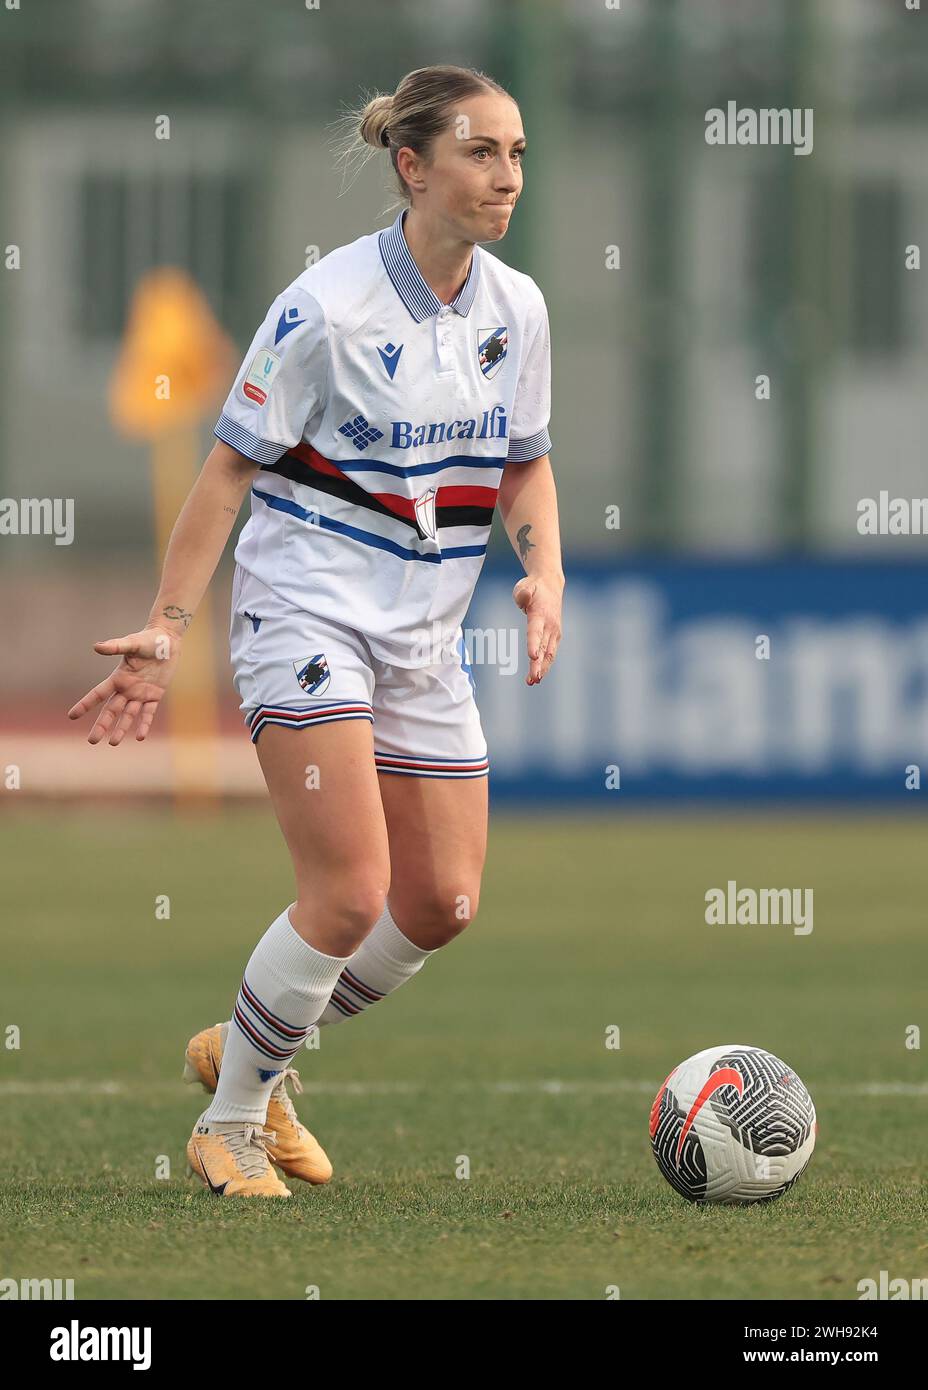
column 175, row 359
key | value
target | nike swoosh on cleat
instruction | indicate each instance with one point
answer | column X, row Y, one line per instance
column 212, row 1186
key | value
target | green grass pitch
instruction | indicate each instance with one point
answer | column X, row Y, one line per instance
column 585, row 922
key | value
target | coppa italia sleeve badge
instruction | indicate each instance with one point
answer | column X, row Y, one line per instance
column 261, row 374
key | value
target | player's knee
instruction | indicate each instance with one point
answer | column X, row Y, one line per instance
column 346, row 910
column 441, row 911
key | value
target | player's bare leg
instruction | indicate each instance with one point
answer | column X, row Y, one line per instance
column 437, row 829
column 436, row 833
column 325, row 793
column 324, row 789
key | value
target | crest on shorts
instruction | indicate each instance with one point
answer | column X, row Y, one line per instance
column 492, row 344
column 313, row 673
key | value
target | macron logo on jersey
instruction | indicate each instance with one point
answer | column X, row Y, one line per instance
column 289, row 319
column 390, row 356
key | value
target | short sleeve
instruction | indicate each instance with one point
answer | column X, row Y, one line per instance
column 531, row 411
column 281, row 384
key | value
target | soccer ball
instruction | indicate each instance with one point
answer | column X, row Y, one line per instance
column 732, row 1124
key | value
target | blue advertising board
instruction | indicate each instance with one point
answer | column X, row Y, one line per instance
column 677, row 680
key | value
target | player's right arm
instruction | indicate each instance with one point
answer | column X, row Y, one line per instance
column 134, row 689
column 280, row 388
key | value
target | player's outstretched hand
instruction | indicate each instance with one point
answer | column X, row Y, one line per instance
column 134, row 690
column 540, row 601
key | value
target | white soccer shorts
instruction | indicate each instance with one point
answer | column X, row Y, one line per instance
column 297, row 670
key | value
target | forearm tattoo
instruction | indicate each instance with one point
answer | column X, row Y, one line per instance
column 525, row 545
column 177, row 615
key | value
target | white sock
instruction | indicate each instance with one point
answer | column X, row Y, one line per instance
column 284, row 990
column 384, row 960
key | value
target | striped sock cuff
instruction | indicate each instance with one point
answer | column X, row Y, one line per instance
column 393, row 946
column 267, row 1033
column 352, row 996
column 386, row 955
column 292, row 960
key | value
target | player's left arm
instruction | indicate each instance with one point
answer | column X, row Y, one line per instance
column 527, row 503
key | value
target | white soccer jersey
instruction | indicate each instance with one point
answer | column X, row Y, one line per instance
column 382, row 421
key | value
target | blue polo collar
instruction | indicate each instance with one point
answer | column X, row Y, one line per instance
column 419, row 298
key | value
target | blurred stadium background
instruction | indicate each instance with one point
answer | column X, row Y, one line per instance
column 676, row 274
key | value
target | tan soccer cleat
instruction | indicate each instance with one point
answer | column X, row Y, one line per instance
column 293, row 1148
column 233, row 1161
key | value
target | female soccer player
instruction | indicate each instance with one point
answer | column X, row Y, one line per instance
column 395, row 391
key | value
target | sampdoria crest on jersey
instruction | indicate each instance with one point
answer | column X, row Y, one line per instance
column 313, row 673
column 491, row 349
